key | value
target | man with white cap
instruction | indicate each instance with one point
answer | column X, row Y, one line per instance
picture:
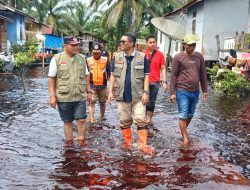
column 187, row 75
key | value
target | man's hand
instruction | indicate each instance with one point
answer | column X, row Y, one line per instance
column 173, row 98
column 110, row 97
column 205, row 96
column 144, row 99
column 164, row 87
column 89, row 98
column 53, row 101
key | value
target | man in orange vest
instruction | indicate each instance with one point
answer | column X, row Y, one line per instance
column 99, row 68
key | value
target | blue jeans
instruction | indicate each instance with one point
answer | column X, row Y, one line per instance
column 153, row 91
column 186, row 102
column 70, row 111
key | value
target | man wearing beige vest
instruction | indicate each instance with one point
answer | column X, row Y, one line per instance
column 69, row 88
column 129, row 79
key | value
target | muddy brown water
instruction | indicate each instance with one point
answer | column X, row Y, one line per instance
column 32, row 155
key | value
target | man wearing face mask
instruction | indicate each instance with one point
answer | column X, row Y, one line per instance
column 69, row 89
column 99, row 68
column 187, row 75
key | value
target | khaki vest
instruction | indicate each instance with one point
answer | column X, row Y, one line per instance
column 98, row 70
column 71, row 78
column 137, row 75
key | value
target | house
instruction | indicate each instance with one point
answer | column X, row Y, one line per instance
column 87, row 40
column 3, row 32
column 208, row 18
column 32, row 28
column 13, row 26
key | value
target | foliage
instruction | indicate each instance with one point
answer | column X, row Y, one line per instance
column 19, row 4
column 73, row 17
column 143, row 32
column 22, row 59
column 229, row 83
column 1, row 64
column 27, row 46
column 212, row 72
column 131, row 12
column 24, row 54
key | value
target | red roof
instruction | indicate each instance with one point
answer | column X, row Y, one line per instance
column 47, row 29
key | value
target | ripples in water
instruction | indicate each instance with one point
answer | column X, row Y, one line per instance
column 32, row 154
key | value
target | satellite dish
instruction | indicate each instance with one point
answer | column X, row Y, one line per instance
column 172, row 29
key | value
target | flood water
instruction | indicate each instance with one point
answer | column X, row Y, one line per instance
column 32, row 155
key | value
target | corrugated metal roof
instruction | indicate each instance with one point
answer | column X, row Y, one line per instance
column 6, row 18
column 191, row 3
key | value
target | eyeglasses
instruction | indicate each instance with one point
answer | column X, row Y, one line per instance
column 123, row 41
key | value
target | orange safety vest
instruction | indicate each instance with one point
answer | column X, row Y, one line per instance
column 98, row 70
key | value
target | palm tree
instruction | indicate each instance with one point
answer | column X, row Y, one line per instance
column 74, row 19
column 55, row 12
column 19, row 4
column 130, row 11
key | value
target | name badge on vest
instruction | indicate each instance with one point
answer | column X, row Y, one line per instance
column 63, row 63
column 119, row 61
column 138, row 61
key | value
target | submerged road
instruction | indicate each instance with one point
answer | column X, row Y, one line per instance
column 32, row 155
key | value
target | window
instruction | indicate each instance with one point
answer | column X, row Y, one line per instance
column 194, row 14
column 193, row 26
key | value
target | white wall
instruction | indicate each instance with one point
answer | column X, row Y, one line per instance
column 198, row 8
column 222, row 17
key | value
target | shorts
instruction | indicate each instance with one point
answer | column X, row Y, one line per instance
column 70, row 111
column 132, row 111
column 99, row 95
column 153, row 91
column 186, row 102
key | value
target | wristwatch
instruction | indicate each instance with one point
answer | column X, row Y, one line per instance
column 146, row 91
column 164, row 81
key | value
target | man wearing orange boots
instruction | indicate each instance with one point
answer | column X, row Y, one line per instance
column 130, row 82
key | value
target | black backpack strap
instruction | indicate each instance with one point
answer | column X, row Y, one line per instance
column 151, row 57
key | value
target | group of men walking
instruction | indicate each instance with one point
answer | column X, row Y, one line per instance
column 135, row 78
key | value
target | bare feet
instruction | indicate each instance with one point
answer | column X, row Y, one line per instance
column 101, row 118
column 69, row 143
column 185, row 142
column 91, row 121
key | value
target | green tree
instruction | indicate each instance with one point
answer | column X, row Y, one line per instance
column 75, row 18
column 19, row 4
column 130, row 12
column 48, row 12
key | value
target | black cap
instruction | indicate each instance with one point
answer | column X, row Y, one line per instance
column 96, row 46
column 70, row 40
